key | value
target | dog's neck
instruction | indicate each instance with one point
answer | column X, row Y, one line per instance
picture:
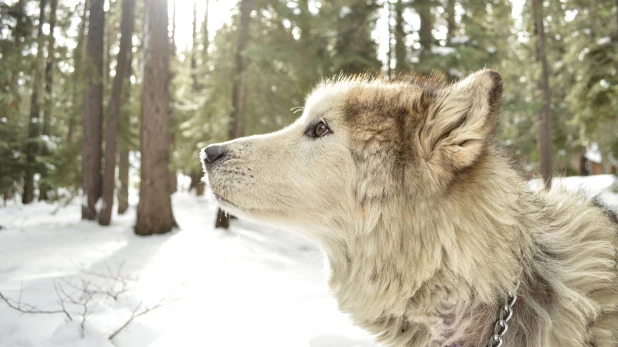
column 426, row 258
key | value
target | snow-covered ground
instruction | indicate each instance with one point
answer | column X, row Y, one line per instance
column 250, row 286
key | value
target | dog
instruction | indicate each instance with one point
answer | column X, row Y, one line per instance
column 433, row 237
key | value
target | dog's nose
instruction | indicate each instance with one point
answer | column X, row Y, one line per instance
column 214, row 152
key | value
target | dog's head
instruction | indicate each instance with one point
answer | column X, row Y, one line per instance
column 358, row 144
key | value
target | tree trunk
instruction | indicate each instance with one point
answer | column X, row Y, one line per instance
column 49, row 81
column 49, row 68
column 113, row 110
column 238, row 90
column 173, row 180
column 544, row 114
column 123, row 156
column 239, row 87
column 389, row 56
column 424, row 11
column 33, row 126
column 123, row 179
column 78, row 74
column 400, row 37
column 173, row 36
column 205, row 38
column 194, row 50
column 93, row 111
column 196, row 182
column 20, row 31
column 154, row 211
column 450, row 20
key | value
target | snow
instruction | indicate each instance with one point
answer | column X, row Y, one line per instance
column 460, row 39
column 345, row 10
column 51, row 142
column 250, row 286
column 593, row 153
column 443, row 50
column 455, row 72
column 604, row 40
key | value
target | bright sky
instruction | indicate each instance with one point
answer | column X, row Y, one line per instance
column 220, row 12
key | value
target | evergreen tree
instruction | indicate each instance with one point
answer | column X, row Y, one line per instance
column 154, row 211
column 93, row 111
column 123, row 61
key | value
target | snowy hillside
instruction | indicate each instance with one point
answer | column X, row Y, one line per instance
column 251, row 286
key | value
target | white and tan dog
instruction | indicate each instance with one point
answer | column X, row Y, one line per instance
column 426, row 225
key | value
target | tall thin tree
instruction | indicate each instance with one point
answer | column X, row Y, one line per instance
column 237, row 116
column 195, row 175
column 93, row 111
column 113, row 110
column 173, row 179
column 123, row 155
column 400, row 37
column 423, row 8
column 154, row 211
column 78, row 74
column 450, row 20
column 544, row 114
column 35, row 110
column 49, row 82
column 389, row 54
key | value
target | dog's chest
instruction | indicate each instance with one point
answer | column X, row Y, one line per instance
column 430, row 315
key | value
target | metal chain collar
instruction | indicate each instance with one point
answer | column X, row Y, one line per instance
column 506, row 313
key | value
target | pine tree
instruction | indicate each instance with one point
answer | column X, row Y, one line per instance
column 123, row 60
column 239, row 89
column 93, row 111
column 32, row 144
column 44, row 184
column 355, row 49
column 544, row 128
column 154, row 211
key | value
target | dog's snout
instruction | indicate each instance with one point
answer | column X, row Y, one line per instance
column 214, row 152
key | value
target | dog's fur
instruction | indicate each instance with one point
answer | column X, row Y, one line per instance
column 426, row 224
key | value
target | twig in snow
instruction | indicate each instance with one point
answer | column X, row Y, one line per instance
column 135, row 314
column 30, row 309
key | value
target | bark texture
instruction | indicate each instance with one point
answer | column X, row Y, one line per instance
column 154, row 211
column 35, row 117
column 400, row 36
column 450, row 20
column 93, row 111
column 78, row 75
column 49, row 84
column 237, row 126
column 115, row 103
column 424, row 11
column 544, row 114
column 123, row 181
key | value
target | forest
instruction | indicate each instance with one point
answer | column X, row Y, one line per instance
column 106, row 104
column 101, row 97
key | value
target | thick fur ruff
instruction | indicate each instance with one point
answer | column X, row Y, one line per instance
column 426, row 224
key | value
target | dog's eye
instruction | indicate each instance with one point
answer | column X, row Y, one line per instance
column 318, row 130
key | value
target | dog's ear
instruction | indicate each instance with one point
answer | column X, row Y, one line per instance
column 461, row 119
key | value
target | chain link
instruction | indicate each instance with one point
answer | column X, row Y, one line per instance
column 502, row 323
